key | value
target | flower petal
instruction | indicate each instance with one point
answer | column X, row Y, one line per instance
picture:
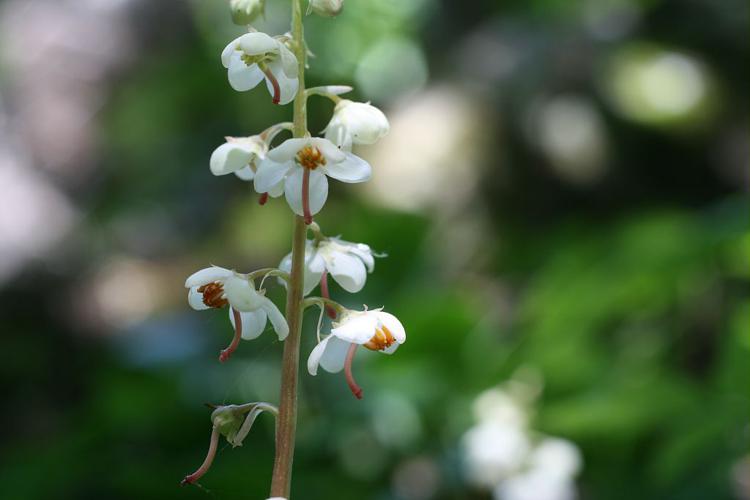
column 393, row 324
column 228, row 158
column 241, row 76
column 289, row 62
column 357, row 328
column 362, row 251
column 332, row 153
column 337, row 134
column 287, row 86
column 246, row 173
column 269, row 174
column 287, row 150
column 277, row 319
column 352, row 169
column 318, row 190
column 316, row 354
column 226, row 54
column 348, row 270
column 257, row 43
column 195, row 299
column 253, row 323
column 206, row 276
column 334, row 355
column 241, row 294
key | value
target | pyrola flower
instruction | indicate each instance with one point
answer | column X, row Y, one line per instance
column 238, row 155
column 348, row 263
column 299, row 167
column 356, row 123
column 374, row 329
column 249, row 309
column 254, row 56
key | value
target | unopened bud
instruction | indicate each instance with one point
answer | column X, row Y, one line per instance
column 327, row 8
column 245, row 12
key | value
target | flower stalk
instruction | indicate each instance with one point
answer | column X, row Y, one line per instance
column 286, row 427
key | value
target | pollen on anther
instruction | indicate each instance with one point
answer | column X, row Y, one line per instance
column 310, row 157
column 213, row 295
column 383, row 339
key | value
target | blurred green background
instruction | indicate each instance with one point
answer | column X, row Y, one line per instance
column 564, row 190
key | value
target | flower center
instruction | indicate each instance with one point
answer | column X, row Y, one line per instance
column 213, row 295
column 310, row 157
column 382, row 339
column 249, row 60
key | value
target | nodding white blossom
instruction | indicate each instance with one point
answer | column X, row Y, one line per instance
column 254, row 56
column 549, row 473
column 298, row 168
column 245, row 12
column 493, row 451
column 238, row 155
column 373, row 329
column 326, row 8
column 356, row 123
column 249, row 309
column 348, row 263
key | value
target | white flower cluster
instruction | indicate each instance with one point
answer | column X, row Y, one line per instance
column 299, row 169
column 501, row 454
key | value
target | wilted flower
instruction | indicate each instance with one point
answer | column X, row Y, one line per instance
column 356, row 123
column 326, row 8
column 254, row 56
column 238, row 155
column 301, row 166
column 216, row 287
column 374, row 329
column 234, row 423
column 348, row 263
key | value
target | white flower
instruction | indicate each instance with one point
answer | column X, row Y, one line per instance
column 216, row 287
column 493, row 451
column 356, row 123
column 298, row 167
column 551, row 467
column 375, row 329
column 238, row 155
column 535, row 485
column 556, row 457
column 348, row 263
column 254, row 56
column 326, row 8
column 498, row 406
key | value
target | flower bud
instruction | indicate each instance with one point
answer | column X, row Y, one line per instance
column 327, row 8
column 245, row 12
column 356, row 123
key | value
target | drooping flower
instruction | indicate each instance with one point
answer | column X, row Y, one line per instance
column 234, row 423
column 245, row 12
column 326, row 8
column 374, row 329
column 254, row 56
column 300, row 167
column 356, row 123
column 249, row 309
column 239, row 155
column 348, row 263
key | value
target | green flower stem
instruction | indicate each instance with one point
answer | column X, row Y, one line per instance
column 286, row 427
